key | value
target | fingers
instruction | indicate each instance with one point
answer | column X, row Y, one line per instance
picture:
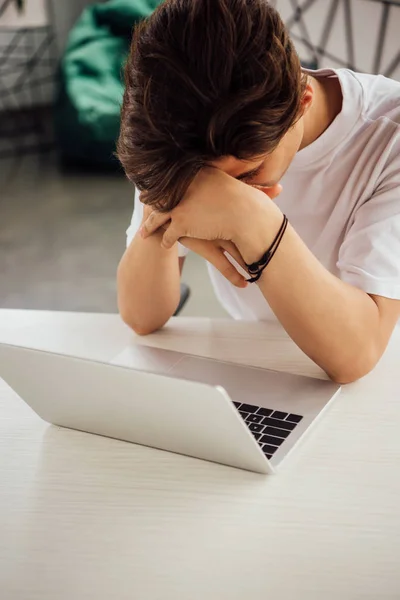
column 154, row 221
column 227, row 269
column 214, row 253
column 170, row 237
column 147, row 210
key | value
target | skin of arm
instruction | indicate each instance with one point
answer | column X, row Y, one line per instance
column 342, row 328
column 148, row 277
column 148, row 282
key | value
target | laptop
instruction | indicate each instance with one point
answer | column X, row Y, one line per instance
column 240, row 416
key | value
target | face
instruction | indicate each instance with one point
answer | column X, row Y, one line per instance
column 268, row 170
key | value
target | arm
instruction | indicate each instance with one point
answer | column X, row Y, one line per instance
column 149, row 276
column 148, row 282
column 343, row 329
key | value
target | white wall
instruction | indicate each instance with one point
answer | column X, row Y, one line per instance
column 365, row 17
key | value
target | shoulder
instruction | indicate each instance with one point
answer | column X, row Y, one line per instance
column 381, row 95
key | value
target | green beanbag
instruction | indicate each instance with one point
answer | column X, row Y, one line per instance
column 91, row 82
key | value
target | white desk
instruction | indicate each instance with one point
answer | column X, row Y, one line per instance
column 85, row 517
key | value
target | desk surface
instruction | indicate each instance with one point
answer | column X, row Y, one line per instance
column 85, row 517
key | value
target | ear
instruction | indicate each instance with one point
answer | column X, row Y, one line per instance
column 307, row 99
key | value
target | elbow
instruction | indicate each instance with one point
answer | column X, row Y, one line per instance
column 135, row 317
column 354, row 368
column 346, row 376
column 141, row 323
column 141, row 329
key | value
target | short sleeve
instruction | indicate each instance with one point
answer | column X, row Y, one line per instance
column 136, row 221
column 369, row 257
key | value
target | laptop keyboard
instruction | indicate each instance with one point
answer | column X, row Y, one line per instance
column 269, row 427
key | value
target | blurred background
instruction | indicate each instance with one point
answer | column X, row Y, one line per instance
column 64, row 201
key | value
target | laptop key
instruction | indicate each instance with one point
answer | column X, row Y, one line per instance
column 277, row 414
column 281, row 433
column 256, row 427
column 257, row 435
column 267, row 449
column 253, row 418
column 244, row 414
column 271, row 439
column 265, row 412
column 237, row 404
column 294, row 418
column 250, row 408
column 278, row 423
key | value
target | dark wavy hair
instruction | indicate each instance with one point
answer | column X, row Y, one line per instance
column 205, row 79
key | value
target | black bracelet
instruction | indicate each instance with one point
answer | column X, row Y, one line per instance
column 258, row 267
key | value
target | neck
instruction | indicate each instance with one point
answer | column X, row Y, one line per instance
column 326, row 105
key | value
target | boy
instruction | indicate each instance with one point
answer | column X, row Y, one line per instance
column 227, row 139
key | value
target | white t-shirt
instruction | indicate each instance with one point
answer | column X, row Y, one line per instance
column 342, row 196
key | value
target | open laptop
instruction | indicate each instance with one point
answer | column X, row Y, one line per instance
column 239, row 416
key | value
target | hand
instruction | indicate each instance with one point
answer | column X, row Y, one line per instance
column 211, row 251
column 215, row 207
column 214, row 251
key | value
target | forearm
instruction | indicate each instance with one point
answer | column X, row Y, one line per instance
column 148, row 284
column 334, row 323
